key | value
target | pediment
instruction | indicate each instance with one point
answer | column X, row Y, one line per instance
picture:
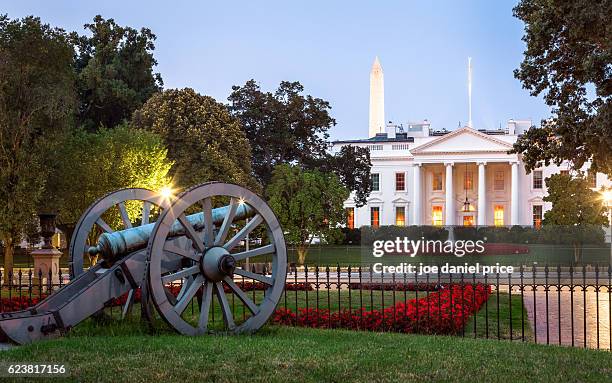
column 400, row 200
column 461, row 141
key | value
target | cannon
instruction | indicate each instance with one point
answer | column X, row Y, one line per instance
column 192, row 241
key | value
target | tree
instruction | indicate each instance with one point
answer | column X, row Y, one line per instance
column 308, row 204
column 568, row 59
column 577, row 212
column 287, row 127
column 284, row 127
column 204, row 141
column 352, row 165
column 88, row 165
column 37, row 102
column 115, row 72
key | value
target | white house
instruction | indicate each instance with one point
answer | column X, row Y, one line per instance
column 459, row 177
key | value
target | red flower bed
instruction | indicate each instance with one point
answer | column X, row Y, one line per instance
column 442, row 312
column 18, row 303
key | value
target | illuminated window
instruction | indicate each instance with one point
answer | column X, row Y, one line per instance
column 400, row 181
column 468, row 180
column 537, row 216
column 537, row 179
column 468, row 220
column 436, row 215
column 375, row 179
column 498, row 181
column 400, row 216
column 374, row 216
column 498, row 215
column 350, row 217
column 437, row 181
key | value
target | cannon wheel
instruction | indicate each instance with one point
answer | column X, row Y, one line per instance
column 93, row 217
column 210, row 263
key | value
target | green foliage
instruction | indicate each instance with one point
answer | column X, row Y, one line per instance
column 115, row 72
column 352, row 165
column 89, row 165
column 204, row 141
column 568, row 59
column 577, row 214
column 574, row 202
column 287, row 127
column 284, row 127
column 36, row 105
column 308, row 204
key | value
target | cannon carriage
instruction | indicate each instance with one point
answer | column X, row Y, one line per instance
column 187, row 240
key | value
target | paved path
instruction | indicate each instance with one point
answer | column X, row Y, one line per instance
column 590, row 313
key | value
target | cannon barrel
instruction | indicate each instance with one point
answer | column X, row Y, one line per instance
column 112, row 246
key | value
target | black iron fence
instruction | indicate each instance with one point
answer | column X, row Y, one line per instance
column 548, row 305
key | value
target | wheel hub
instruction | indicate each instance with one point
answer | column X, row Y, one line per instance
column 217, row 263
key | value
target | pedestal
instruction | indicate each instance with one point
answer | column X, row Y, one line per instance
column 46, row 260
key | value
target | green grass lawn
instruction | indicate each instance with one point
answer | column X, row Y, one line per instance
column 119, row 352
column 486, row 318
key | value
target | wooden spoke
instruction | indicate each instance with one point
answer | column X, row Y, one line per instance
column 255, row 276
column 188, row 295
column 226, row 309
column 227, row 222
column 184, row 287
column 267, row 249
column 191, row 233
column 241, row 295
column 180, row 274
column 249, row 227
column 169, row 247
column 104, row 226
column 206, row 303
column 146, row 212
column 208, row 222
column 124, row 215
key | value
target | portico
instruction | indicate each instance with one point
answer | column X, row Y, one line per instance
column 465, row 178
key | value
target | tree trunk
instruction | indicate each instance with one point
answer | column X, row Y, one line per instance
column 8, row 257
column 301, row 251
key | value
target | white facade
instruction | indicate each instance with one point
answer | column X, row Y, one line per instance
column 495, row 182
column 425, row 177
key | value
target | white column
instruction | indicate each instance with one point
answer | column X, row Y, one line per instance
column 514, row 197
column 482, row 191
column 450, row 199
column 416, row 203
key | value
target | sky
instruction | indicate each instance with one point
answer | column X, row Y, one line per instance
column 329, row 47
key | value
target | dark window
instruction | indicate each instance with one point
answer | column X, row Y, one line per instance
column 400, row 181
column 537, row 179
column 375, row 177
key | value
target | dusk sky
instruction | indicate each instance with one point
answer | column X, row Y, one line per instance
column 329, row 47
